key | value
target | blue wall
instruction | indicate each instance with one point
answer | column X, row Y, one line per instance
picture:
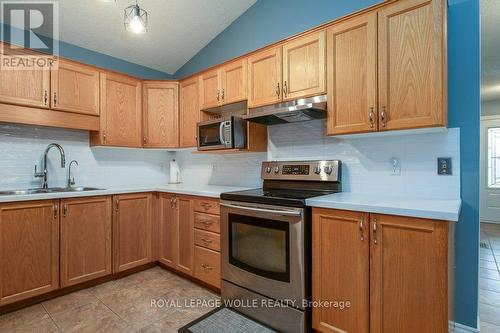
column 270, row 20
column 90, row 57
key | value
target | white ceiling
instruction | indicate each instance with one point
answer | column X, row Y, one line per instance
column 490, row 49
column 177, row 29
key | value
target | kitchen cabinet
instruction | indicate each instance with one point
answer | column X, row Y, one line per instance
column 132, row 231
column 189, row 112
column 74, row 88
column 264, row 77
column 85, row 239
column 412, row 64
column 121, row 112
column 352, row 75
column 304, row 66
column 402, row 267
column 29, row 249
column 160, row 114
column 210, row 91
column 207, row 266
column 184, row 205
column 341, row 256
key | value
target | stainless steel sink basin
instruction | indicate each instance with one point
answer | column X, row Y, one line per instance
column 49, row 190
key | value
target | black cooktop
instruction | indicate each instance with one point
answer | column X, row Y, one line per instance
column 280, row 197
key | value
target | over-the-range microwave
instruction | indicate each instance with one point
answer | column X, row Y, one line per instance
column 222, row 133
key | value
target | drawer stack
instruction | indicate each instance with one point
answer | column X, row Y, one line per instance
column 207, row 241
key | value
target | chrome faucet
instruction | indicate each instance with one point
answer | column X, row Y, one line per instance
column 71, row 180
column 45, row 173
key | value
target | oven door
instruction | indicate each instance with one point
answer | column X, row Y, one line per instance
column 211, row 135
column 263, row 249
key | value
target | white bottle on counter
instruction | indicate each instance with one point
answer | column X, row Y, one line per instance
column 175, row 173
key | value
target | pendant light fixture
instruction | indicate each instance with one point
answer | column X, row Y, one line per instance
column 136, row 19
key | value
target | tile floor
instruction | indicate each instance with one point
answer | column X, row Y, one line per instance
column 489, row 278
column 122, row 305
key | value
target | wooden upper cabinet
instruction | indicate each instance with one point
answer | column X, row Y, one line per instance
column 412, row 64
column 210, row 89
column 29, row 249
column 160, row 114
column 85, row 239
column 264, row 77
column 132, row 230
column 352, row 75
column 234, row 82
column 121, row 112
column 189, row 112
column 304, row 66
column 409, row 275
column 75, row 88
column 341, row 263
column 30, row 87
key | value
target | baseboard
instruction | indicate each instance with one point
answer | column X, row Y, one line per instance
column 459, row 328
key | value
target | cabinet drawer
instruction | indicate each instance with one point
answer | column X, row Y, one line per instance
column 207, row 206
column 207, row 266
column 207, row 239
column 207, row 222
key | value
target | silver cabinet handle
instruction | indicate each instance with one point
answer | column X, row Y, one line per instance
column 375, row 231
column 45, row 97
column 55, row 208
column 55, row 98
column 218, row 96
column 278, row 89
column 383, row 116
column 222, row 94
column 285, row 89
column 207, row 267
column 362, row 229
column 208, row 241
column 117, row 203
column 65, row 209
column 372, row 117
column 263, row 210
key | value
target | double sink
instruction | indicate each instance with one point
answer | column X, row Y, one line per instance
column 49, row 190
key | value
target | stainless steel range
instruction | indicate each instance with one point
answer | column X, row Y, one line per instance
column 265, row 245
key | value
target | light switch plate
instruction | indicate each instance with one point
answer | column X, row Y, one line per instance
column 444, row 166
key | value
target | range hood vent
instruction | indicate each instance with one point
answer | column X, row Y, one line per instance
column 289, row 112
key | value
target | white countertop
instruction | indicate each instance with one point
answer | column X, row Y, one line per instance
column 188, row 189
column 447, row 210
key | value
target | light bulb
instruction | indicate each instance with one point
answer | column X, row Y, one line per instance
column 136, row 24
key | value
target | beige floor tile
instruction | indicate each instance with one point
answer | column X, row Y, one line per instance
column 44, row 326
column 125, row 298
column 489, row 297
column 13, row 320
column 489, row 328
column 70, row 301
column 489, row 274
column 489, row 313
column 76, row 318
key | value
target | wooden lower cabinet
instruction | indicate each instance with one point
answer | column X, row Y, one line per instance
column 207, row 266
column 394, row 271
column 29, row 249
column 132, row 230
column 85, row 239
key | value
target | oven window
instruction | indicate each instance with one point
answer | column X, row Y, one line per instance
column 210, row 135
column 260, row 246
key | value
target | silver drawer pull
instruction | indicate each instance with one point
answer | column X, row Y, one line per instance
column 209, row 241
column 206, row 222
column 207, row 267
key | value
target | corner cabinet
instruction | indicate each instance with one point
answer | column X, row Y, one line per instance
column 189, row 112
column 121, row 112
column 160, row 114
column 402, row 267
column 29, row 249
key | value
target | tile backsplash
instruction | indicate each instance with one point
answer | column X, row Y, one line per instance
column 366, row 160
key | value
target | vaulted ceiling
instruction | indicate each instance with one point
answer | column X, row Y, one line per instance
column 177, row 29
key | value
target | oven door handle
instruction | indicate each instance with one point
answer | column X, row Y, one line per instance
column 263, row 210
column 221, row 133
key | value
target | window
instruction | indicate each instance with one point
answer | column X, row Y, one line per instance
column 494, row 157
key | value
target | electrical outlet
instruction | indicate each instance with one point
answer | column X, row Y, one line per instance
column 444, row 166
column 396, row 167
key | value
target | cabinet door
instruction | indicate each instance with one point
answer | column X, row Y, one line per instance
column 161, row 114
column 75, row 88
column 304, row 66
column 169, row 231
column 210, row 91
column 190, row 112
column 352, row 71
column 234, row 81
column 132, row 231
column 185, row 212
column 409, row 281
column 120, row 111
column 25, row 87
column 29, row 249
column 411, row 65
column 85, row 239
column 341, row 270
column 264, row 77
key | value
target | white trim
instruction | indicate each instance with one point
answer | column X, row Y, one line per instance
column 494, row 117
column 460, row 328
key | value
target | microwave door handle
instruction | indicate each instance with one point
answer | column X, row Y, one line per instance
column 221, row 133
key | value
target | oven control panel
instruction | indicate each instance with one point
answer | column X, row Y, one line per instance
column 301, row 170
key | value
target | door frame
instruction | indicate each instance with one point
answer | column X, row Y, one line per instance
column 485, row 123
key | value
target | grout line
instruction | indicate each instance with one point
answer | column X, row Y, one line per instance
column 51, row 318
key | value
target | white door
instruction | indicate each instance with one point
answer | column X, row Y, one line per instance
column 490, row 169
